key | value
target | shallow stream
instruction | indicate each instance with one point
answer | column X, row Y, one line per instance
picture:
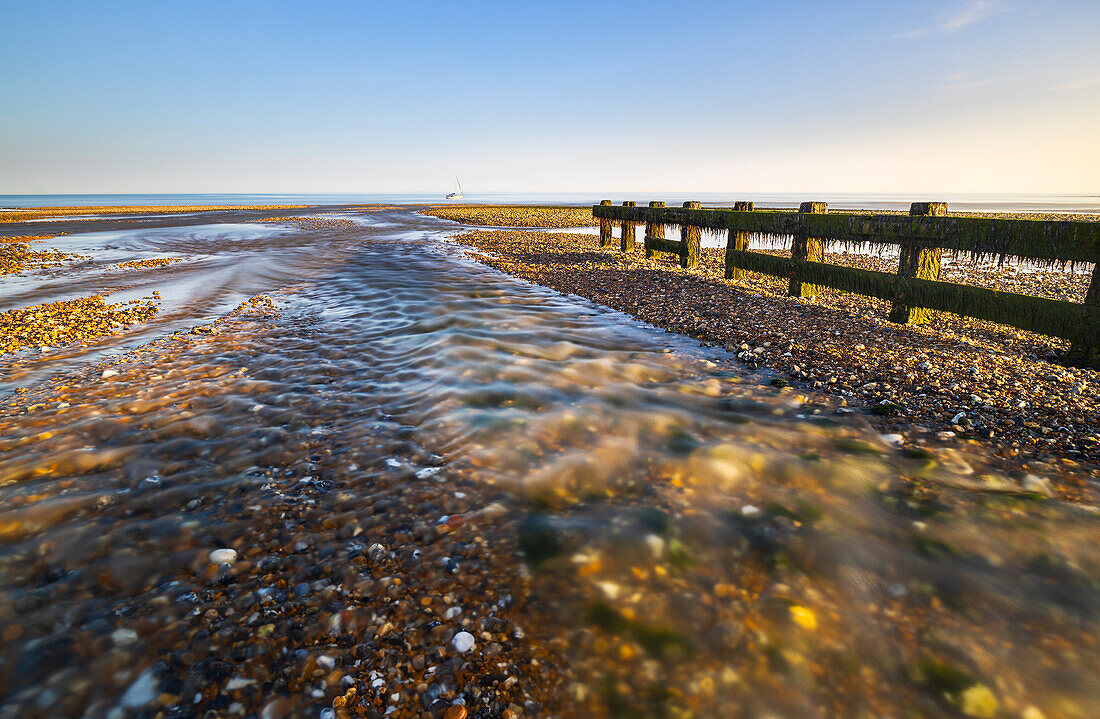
column 646, row 527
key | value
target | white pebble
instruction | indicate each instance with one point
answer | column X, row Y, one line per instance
column 109, row 373
column 894, row 439
column 223, row 556
column 143, row 691
column 463, row 642
column 750, row 511
column 122, row 637
column 656, row 545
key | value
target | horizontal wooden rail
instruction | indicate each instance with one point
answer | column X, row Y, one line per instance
column 661, row 244
column 915, row 289
column 1050, row 240
column 1056, row 318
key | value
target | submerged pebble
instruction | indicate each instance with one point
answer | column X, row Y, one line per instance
column 463, row 642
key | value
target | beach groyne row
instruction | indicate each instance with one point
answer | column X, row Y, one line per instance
column 915, row 290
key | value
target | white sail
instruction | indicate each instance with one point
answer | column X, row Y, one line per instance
column 457, row 194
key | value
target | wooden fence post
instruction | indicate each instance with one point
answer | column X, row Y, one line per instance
column 690, row 240
column 737, row 241
column 810, row 249
column 918, row 261
column 654, row 229
column 605, row 227
column 627, row 242
column 1085, row 350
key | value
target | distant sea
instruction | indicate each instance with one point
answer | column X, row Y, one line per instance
column 975, row 203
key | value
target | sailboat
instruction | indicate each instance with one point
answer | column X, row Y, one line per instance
column 457, row 194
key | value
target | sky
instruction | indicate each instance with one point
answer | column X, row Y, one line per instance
column 884, row 96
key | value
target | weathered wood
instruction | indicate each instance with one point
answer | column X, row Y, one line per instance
column 737, row 240
column 1085, row 350
column 690, row 240
column 657, row 245
column 1055, row 318
column 626, row 243
column 918, row 260
column 1048, row 240
column 921, row 234
column 605, row 225
column 654, row 229
column 806, row 248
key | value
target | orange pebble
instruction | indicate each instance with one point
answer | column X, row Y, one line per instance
column 457, row 711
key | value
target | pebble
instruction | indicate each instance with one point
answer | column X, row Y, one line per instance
column 656, row 545
column 463, row 642
column 143, row 691
column 978, row 701
column 455, row 711
column 223, row 556
column 124, row 637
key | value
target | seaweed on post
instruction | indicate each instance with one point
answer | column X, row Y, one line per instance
column 737, row 240
column 1085, row 350
column 626, row 244
column 918, row 260
column 806, row 248
column 654, row 228
column 605, row 225
column 690, row 240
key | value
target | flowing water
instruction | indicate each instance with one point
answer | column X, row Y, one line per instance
column 401, row 443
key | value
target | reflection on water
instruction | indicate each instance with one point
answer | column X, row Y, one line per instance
column 223, row 264
column 679, row 537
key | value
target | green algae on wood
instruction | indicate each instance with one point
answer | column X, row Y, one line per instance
column 1085, row 350
column 626, row 244
column 605, row 225
column 806, row 249
column 919, row 261
column 737, row 241
column 655, row 230
column 1047, row 241
column 657, row 245
column 1055, row 318
column 690, row 240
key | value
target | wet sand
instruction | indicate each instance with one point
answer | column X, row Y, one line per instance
column 403, row 483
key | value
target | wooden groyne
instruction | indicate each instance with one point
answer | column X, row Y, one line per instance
column 915, row 289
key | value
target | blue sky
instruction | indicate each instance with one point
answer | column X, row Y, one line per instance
column 953, row 96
